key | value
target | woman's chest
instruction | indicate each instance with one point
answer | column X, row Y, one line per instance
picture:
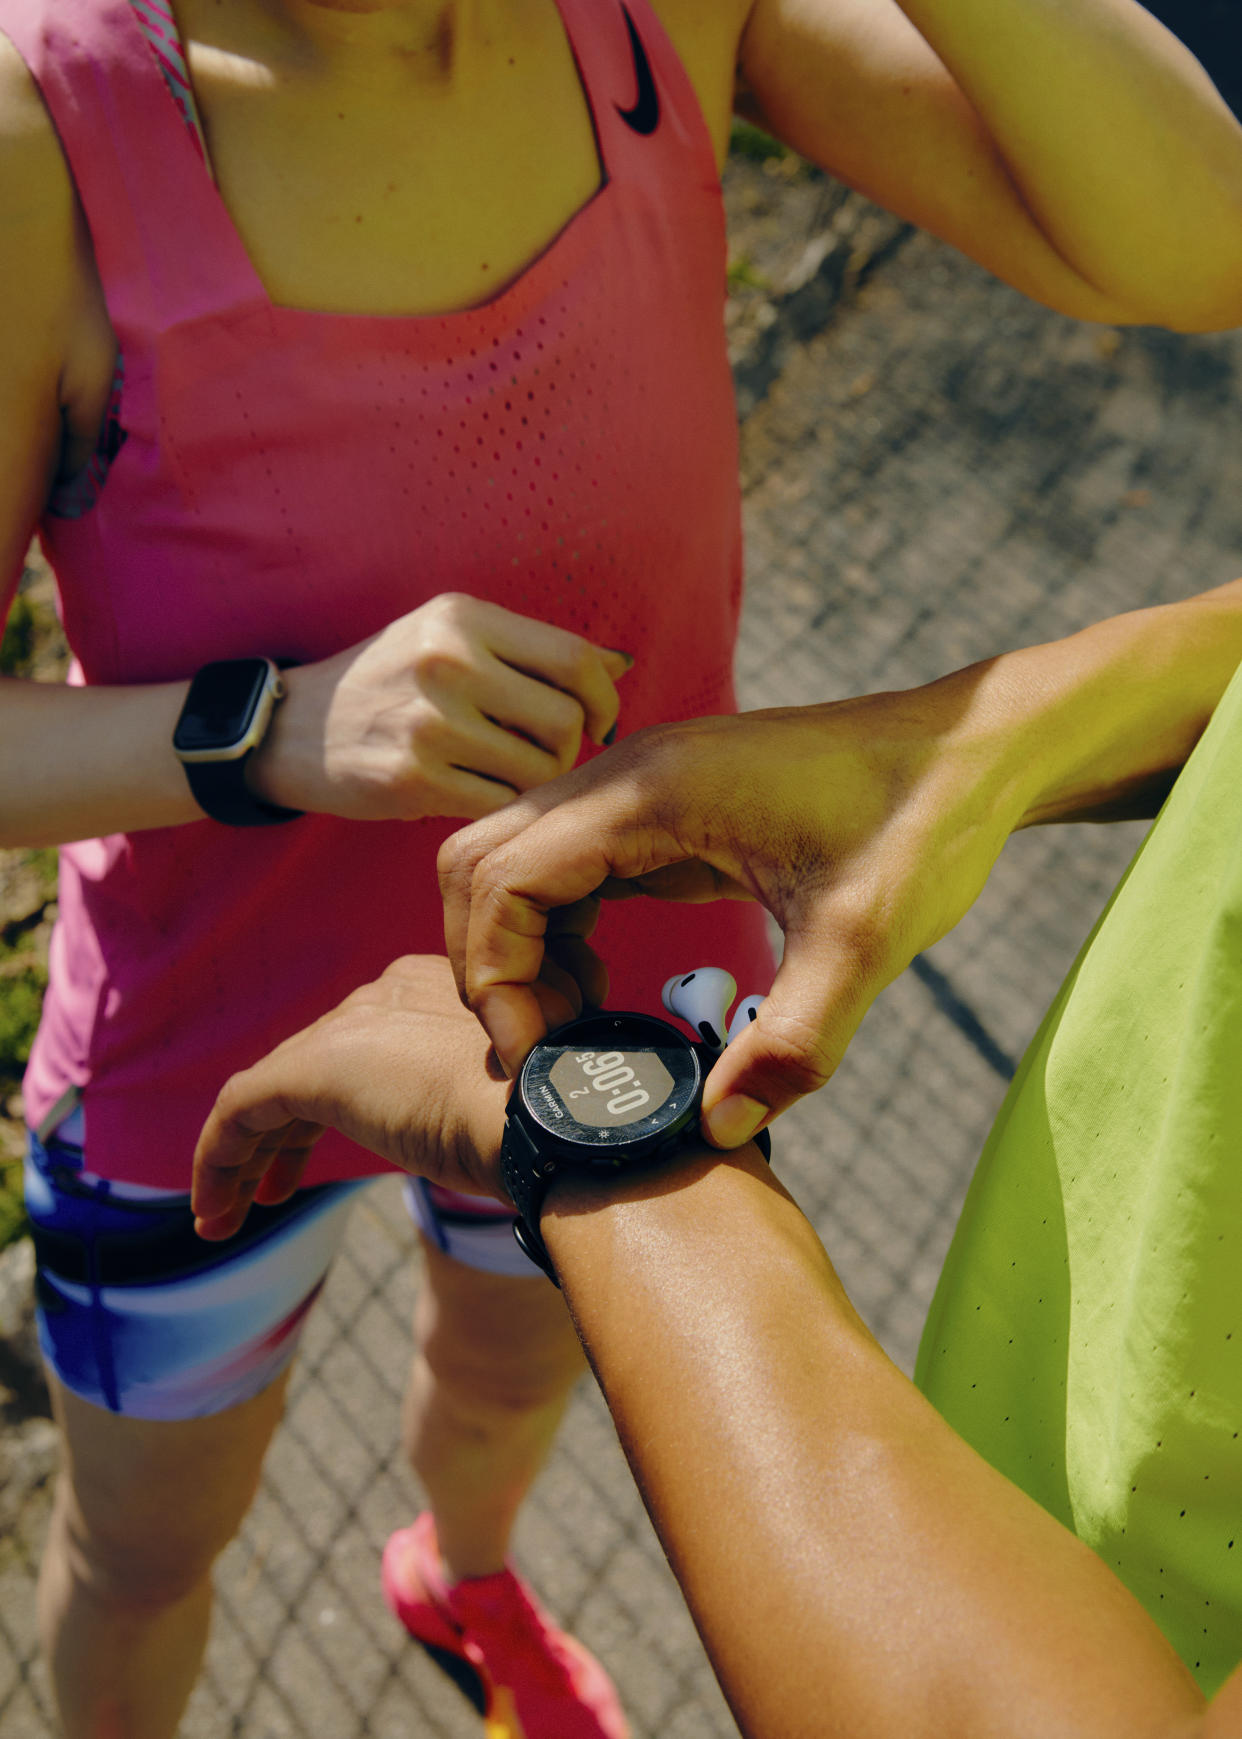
column 387, row 183
column 298, row 481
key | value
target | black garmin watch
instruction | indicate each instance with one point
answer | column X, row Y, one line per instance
column 224, row 719
column 611, row 1092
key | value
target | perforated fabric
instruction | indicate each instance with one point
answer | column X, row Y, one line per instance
column 1086, row 1335
column 292, row 481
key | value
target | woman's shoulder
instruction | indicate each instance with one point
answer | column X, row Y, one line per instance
column 46, row 295
column 35, row 185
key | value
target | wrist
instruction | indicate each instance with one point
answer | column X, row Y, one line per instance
column 1120, row 706
column 1094, row 726
column 589, row 1222
column 476, row 1147
column 283, row 768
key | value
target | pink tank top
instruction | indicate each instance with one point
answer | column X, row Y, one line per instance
column 291, row 481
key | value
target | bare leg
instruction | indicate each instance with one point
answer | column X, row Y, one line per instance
column 142, row 1510
column 495, row 1362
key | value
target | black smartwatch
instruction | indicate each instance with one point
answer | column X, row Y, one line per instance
column 224, row 719
column 611, row 1092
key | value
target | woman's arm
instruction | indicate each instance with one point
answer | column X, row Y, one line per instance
column 449, row 711
column 404, row 725
column 852, row 1565
column 71, row 763
column 1074, row 147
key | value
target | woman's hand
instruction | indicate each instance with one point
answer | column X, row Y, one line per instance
column 399, row 1067
column 451, row 710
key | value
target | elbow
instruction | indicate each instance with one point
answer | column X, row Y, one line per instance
column 1184, row 290
column 1223, row 319
column 1201, row 307
column 1193, row 301
column 1189, row 308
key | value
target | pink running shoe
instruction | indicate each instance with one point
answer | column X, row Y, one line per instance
column 538, row 1683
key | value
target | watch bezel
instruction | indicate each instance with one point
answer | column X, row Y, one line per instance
column 253, row 715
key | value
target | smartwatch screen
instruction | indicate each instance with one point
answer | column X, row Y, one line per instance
column 612, row 1078
column 220, row 704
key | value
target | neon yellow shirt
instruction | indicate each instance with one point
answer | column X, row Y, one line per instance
column 1086, row 1334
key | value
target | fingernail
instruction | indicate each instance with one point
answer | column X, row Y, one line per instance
column 610, row 735
column 619, row 652
column 505, row 1032
column 734, row 1121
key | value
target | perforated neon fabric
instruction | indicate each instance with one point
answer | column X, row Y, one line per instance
column 1086, row 1335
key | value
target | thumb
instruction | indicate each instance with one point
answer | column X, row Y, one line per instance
column 818, row 998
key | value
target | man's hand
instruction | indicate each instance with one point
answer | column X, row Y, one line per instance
column 399, row 1067
column 866, row 827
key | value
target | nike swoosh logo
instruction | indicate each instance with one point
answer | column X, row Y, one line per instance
column 644, row 117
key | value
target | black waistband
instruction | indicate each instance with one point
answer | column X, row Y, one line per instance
column 160, row 1246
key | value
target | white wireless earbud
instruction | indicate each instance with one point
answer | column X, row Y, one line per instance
column 743, row 1014
column 701, row 998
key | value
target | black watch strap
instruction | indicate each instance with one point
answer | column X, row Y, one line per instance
column 221, row 791
column 526, row 1175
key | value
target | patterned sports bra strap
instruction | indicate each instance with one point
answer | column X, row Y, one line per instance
column 158, row 25
column 163, row 243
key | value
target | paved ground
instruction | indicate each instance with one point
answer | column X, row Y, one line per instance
column 945, row 471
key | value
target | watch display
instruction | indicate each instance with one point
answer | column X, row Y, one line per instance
column 221, row 708
column 612, row 1082
column 226, row 714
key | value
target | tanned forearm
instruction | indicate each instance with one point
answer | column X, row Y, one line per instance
column 853, row 1567
column 1119, row 146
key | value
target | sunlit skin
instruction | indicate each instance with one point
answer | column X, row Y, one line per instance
column 896, row 1585
column 380, row 159
column 866, row 827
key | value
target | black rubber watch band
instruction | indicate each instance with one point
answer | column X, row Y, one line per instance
column 221, row 791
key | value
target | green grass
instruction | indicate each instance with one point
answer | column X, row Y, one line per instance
column 12, row 1208
column 23, row 980
column 21, row 997
column 20, row 633
column 747, row 140
column 745, row 275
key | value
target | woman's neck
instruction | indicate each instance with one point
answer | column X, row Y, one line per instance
column 435, row 30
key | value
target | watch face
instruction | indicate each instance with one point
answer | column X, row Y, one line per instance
column 220, row 705
column 612, row 1080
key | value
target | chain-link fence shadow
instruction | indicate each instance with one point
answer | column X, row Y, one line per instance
column 945, row 472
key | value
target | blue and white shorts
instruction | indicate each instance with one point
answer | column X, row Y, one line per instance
column 138, row 1314
column 473, row 1230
